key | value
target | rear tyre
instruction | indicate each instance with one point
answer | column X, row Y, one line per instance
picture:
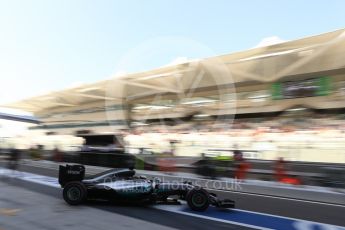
column 74, row 193
column 198, row 199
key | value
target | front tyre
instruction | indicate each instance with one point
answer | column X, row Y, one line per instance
column 198, row 199
column 74, row 193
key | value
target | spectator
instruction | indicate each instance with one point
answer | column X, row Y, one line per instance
column 14, row 158
column 279, row 168
column 238, row 155
column 57, row 155
column 242, row 167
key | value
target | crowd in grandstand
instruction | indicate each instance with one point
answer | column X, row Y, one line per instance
column 280, row 134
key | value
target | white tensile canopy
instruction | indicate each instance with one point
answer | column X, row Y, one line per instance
column 317, row 54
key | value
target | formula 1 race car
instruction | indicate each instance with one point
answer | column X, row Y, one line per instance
column 122, row 185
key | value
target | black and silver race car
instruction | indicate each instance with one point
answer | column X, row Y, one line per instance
column 122, row 185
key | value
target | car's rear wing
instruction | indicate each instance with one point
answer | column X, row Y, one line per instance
column 70, row 173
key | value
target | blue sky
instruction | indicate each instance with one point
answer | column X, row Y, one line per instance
column 49, row 45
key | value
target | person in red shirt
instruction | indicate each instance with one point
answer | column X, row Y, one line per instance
column 281, row 175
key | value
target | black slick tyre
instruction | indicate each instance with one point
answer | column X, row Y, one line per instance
column 74, row 193
column 198, row 199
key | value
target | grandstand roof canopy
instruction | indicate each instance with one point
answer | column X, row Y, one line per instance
column 317, row 54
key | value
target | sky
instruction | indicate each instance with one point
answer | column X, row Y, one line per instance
column 49, row 45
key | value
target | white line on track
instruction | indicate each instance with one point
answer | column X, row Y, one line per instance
column 280, row 198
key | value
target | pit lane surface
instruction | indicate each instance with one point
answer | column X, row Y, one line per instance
column 331, row 214
column 25, row 209
column 28, row 205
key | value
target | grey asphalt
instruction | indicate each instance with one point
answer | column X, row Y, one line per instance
column 26, row 205
column 25, row 209
column 318, row 212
